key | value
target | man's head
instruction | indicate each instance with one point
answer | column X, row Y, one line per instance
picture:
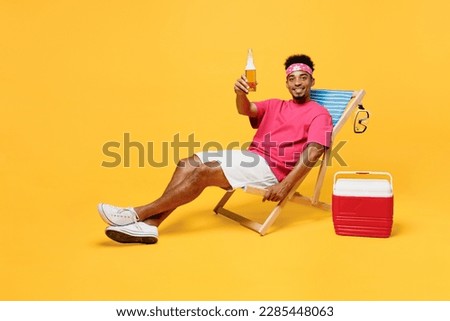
column 299, row 77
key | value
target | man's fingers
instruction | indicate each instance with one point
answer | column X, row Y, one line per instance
column 271, row 196
column 241, row 85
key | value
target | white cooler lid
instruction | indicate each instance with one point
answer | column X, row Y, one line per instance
column 362, row 187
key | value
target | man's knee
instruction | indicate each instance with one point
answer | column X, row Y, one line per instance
column 201, row 171
column 189, row 162
column 203, row 174
column 210, row 174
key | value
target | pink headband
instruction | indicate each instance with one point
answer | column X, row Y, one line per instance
column 298, row 67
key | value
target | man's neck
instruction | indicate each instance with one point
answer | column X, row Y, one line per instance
column 302, row 100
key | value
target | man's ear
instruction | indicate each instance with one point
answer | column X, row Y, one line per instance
column 313, row 82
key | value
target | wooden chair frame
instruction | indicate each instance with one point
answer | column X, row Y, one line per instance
column 293, row 195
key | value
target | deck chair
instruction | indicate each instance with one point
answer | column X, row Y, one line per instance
column 341, row 104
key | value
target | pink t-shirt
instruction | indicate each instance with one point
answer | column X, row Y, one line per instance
column 285, row 128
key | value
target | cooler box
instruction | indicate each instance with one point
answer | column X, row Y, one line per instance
column 363, row 204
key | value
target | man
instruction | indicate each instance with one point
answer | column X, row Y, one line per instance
column 290, row 138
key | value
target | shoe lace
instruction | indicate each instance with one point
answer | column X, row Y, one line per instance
column 134, row 215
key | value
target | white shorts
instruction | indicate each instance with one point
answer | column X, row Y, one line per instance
column 241, row 167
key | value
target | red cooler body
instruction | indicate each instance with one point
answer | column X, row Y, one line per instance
column 363, row 205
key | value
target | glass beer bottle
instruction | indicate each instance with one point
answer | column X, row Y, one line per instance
column 250, row 71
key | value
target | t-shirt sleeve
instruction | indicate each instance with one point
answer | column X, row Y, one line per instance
column 320, row 130
column 261, row 108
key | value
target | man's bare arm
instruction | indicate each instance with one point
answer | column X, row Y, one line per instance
column 307, row 161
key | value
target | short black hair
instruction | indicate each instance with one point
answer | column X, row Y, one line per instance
column 299, row 59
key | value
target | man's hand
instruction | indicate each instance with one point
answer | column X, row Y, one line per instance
column 277, row 192
column 307, row 160
column 241, row 86
column 244, row 106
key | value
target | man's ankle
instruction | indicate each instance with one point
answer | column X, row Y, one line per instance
column 152, row 221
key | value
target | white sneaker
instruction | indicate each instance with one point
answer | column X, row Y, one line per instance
column 117, row 216
column 139, row 232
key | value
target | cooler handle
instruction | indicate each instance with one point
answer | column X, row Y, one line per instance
column 363, row 173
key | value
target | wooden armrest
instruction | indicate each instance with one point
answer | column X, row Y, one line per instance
column 256, row 190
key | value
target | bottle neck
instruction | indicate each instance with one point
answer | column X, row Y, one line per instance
column 250, row 64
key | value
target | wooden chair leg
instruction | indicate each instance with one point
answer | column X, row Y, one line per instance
column 321, row 177
column 271, row 218
column 277, row 210
column 223, row 201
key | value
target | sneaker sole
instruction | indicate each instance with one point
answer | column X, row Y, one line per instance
column 126, row 238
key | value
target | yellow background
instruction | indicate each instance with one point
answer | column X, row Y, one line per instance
column 75, row 75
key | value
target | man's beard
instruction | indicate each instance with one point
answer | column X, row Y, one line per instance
column 300, row 96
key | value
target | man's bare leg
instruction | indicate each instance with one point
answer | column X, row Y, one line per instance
column 188, row 181
column 184, row 167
